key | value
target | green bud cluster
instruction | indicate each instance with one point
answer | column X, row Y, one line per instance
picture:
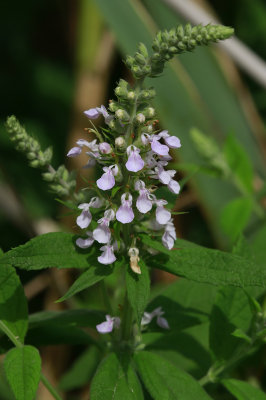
column 60, row 181
column 27, row 144
column 175, row 41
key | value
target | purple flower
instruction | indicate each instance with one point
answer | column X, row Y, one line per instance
column 173, row 142
column 145, row 199
column 108, row 325
column 102, row 233
column 134, row 162
column 84, row 219
column 85, row 243
column 107, row 257
column 105, row 148
column 162, row 215
column 74, row 152
column 159, row 148
column 162, row 322
column 94, row 113
column 173, row 186
column 169, row 236
column 107, row 180
column 125, row 213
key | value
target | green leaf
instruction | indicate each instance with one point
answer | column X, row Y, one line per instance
column 13, row 303
column 206, row 265
column 81, row 318
column 239, row 162
column 82, row 370
column 235, row 216
column 115, row 379
column 87, row 279
column 243, row 390
column 23, row 368
column 163, row 380
column 231, row 311
column 138, row 289
column 56, row 249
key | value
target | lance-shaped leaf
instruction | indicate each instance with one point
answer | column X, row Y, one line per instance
column 201, row 264
column 13, row 303
column 243, row 390
column 163, row 380
column 56, row 249
column 23, row 368
column 115, row 379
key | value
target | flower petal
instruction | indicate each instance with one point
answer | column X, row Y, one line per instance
column 159, row 148
column 173, row 142
column 84, row 219
column 74, row 152
column 106, row 182
column 105, row 327
column 162, row 215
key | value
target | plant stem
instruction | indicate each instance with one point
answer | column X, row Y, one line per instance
column 50, row 388
column 17, row 343
column 126, row 328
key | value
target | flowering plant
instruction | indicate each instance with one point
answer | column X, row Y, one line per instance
column 126, row 228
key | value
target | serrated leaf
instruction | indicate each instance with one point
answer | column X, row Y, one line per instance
column 230, row 311
column 201, row 264
column 82, row 370
column 235, row 216
column 87, row 279
column 23, row 368
column 243, row 390
column 56, row 249
column 163, row 380
column 138, row 289
column 238, row 162
column 115, row 379
column 13, row 303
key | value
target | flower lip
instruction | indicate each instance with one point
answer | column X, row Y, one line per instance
column 134, row 162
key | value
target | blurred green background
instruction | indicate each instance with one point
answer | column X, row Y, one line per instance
column 59, row 58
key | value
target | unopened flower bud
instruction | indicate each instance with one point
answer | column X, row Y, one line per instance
column 131, row 95
column 120, row 142
column 113, row 106
column 122, row 115
column 150, row 112
column 105, row 148
column 140, row 118
column 149, row 128
column 133, row 253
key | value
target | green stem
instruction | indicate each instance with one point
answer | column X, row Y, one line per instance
column 50, row 388
column 14, row 339
column 137, row 89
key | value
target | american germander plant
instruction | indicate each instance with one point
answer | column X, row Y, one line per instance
column 152, row 349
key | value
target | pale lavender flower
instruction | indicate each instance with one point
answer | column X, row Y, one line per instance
column 107, row 256
column 92, row 113
column 134, row 162
column 108, row 325
column 162, row 322
column 145, row 138
column 102, row 233
column 85, row 243
column 163, row 175
column 145, row 200
column 125, row 213
column 173, row 142
column 74, row 152
column 84, row 219
column 162, row 215
column 107, row 180
column 105, row 148
column 107, row 117
column 158, row 148
column 169, row 236
column 173, row 186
